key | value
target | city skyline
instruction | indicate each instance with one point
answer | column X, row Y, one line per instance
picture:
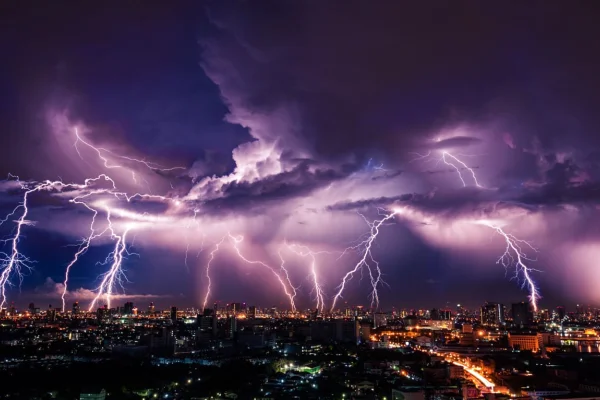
column 192, row 153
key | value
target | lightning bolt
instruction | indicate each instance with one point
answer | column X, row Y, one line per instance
column 452, row 161
column 236, row 240
column 15, row 262
column 458, row 170
column 115, row 274
column 366, row 260
column 287, row 275
column 100, row 151
column 514, row 254
column 83, row 248
column 304, row 251
column 211, row 257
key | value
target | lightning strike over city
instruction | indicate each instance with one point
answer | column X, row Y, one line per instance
column 190, row 155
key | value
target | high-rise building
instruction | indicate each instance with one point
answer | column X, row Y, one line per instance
column 492, row 314
column 560, row 313
column 521, row 314
column 445, row 315
column 51, row 313
column 252, row 312
column 128, row 308
column 102, row 313
column 76, row 308
column 232, row 326
column 151, row 308
column 174, row 314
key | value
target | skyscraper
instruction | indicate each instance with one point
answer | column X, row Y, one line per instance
column 252, row 312
column 560, row 313
column 76, row 308
column 174, row 314
column 492, row 314
column 522, row 315
column 128, row 308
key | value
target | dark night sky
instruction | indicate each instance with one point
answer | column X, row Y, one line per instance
column 279, row 111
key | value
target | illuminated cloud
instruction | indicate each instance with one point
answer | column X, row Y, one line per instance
column 378, row 113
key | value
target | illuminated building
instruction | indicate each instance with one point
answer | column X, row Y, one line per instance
column 524, row 341
column 522, row 315
column 252, row 312
column 492, row 314
column 151, row 308
column 76, row 308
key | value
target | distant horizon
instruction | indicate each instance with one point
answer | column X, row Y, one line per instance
column 165, row 306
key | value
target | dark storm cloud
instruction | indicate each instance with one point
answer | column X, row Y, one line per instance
column 129, row 73
column 367, row 203
column 373, row 78
column 300, row 181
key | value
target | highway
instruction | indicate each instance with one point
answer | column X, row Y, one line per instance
column 486, row 382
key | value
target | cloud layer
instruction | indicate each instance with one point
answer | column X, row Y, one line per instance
column 338, row 108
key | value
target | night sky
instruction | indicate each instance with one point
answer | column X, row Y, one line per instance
column 292, row 125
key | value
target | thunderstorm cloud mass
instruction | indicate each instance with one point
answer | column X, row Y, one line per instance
column 300, row 154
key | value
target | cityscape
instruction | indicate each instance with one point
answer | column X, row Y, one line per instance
column 300, row 200
column 496, row 351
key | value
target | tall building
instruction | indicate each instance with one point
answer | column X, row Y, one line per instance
column 560, row 313
column 445, row 315
column 252, row 312
column 51, row 313
column 174, row 314
column 76, row 308
column 521, row 314
column 232, row 326
column 102, row 313
column 492, row 314
column 151, row 308
column 379, row 319
column 128, row 308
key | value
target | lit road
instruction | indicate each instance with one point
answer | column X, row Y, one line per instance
column 486, row 382
column 452, row 357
